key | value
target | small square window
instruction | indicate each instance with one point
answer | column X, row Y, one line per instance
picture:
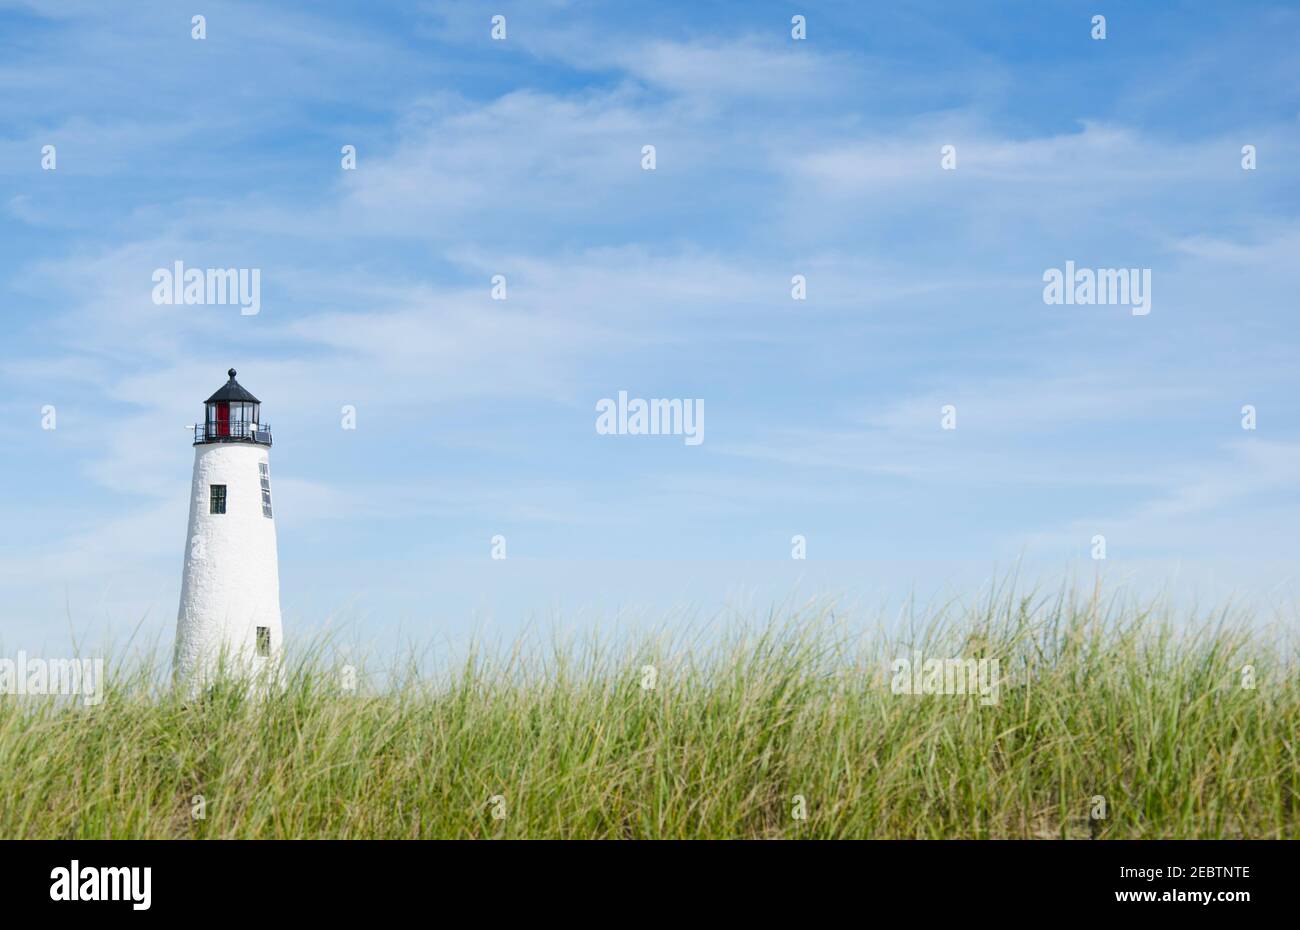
column 217, row 502
column 263, row 640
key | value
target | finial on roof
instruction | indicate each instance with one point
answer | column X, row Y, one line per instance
column 232, row 374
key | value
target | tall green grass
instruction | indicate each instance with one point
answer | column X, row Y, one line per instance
column 1144, row 709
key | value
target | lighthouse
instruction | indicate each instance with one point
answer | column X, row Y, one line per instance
column 230, row 589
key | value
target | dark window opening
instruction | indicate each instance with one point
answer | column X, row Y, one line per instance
column 263, row 640
column 217, row 503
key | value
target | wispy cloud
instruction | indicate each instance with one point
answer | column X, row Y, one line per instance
column 523, row 158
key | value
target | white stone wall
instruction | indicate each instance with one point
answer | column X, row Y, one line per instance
column 231, row 583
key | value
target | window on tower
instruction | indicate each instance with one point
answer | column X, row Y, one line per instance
column 264, row 472
column 263, row 640
column 217, row 502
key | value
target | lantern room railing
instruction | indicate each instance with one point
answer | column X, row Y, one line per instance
column 232, row 431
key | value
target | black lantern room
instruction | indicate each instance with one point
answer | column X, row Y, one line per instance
column 233, row 415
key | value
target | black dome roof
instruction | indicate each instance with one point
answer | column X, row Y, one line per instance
column 232, row 391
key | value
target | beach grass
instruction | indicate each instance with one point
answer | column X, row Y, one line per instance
column 1106, row 721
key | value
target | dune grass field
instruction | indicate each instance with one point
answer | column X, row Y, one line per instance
column 1110, row 721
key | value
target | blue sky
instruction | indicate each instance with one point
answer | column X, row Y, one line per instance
column 522, row 157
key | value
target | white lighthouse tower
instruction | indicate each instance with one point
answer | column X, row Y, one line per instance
column 230, row 591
